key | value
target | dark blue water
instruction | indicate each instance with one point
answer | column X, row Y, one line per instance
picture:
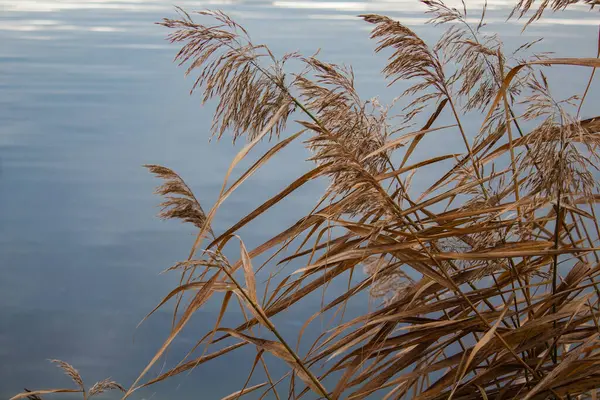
column 88, row 94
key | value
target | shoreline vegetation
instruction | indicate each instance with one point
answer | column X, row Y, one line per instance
column 484, row 285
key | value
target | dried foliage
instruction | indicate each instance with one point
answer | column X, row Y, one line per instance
column 484, row 284
column 249, row 93
column 98, row 388
column 70, row 372
column 349, row 130
column 104, row 386
column 563, row 167
column 523, row 6
column 411, row 58
column 180, row 202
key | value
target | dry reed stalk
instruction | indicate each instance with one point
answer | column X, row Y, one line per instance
column 96, row 389
column 486, row 282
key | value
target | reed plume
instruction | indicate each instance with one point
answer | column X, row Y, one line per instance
column 249, row 93
column 96, row 389
column 180, row 202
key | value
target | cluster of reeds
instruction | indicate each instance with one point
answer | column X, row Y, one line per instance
column 485, row 282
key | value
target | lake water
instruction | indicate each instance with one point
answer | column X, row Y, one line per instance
column 88, row 93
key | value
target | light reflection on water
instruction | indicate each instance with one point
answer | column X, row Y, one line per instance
column 87, row 95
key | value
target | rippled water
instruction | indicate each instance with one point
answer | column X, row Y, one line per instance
column 88, row 93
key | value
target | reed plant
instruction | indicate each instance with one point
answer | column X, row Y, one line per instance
column 484, row 284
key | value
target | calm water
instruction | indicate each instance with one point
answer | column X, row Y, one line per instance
column 88, row 94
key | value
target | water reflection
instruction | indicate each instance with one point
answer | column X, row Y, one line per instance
column 119, row 5
column 64, row 5
column 49, row 25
